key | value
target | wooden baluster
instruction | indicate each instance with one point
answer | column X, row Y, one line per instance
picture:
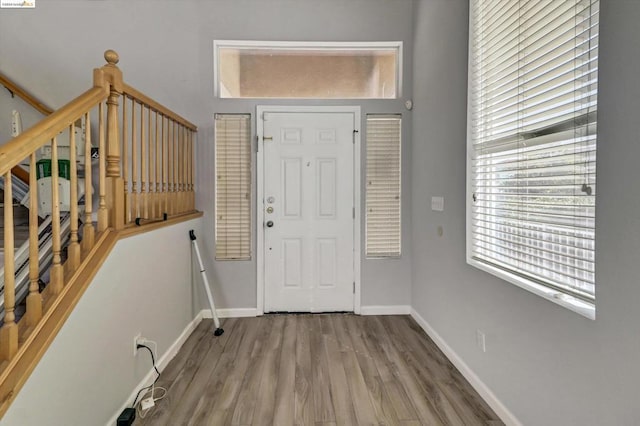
column 73, row 260
column 134, row 161
column 169, row 164
column 143, row 165
column 56, row 274
column 151, row 174
column 192, row 203
column 88, row 231
column 9, row 330
column 167, row 184
column 186, row 169
column 172, row 162
column 34, row 299
column 170, row 169
column 165, row 144
column 176, row 136
column 176, row 171
column 160, row 171
column 157, row 164
column 178, row 160
column 103, row 213
column 125, row 161
column 187, row 172
column 114, row 183
column 183, row 166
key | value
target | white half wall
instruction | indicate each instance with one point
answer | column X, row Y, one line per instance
column 147, row 285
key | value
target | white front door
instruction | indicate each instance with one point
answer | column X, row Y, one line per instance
column 308, row 211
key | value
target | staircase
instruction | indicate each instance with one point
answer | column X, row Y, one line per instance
column 144, row 180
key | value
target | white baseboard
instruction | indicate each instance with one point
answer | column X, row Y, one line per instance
column 161, row 363
column 231, row 313
column 490, row 398
column 385, row 310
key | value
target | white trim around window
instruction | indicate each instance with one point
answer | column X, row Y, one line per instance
column 284, row 46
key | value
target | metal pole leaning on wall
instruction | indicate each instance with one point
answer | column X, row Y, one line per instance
column 218, row 331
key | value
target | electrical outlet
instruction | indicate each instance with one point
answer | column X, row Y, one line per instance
column 137, row 339
column 481, row 341
column 437, row 204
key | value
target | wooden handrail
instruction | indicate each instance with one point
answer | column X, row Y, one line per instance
column 155, row 106
column 34, row 138
column 24, row 95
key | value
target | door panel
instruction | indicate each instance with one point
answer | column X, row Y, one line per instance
column 291, row 187
column 308, row 200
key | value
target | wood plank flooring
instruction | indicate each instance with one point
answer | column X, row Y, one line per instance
column 320, row 370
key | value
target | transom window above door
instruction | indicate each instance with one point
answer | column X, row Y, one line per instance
column 307, row 70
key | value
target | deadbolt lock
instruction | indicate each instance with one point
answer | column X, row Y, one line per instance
column 269, row 209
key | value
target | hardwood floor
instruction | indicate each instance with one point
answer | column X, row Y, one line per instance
column 329, row 369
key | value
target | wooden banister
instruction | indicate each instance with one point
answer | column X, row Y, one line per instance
column 145, row 170
column 141, row 97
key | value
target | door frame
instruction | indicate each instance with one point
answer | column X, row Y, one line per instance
column 260, row 110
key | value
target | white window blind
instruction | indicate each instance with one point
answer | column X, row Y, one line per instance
column 233, row 186
column 532, row 149
column 383, row 225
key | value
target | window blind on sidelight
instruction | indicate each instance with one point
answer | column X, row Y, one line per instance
column 383, row 185
column 233, row 186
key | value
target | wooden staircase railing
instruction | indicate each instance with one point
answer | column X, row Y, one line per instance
column 145, row 171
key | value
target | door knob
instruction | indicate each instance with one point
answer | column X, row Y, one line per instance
column 270, row 224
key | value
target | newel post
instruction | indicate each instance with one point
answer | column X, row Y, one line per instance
column 114, row 179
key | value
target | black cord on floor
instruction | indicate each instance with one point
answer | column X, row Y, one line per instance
column 153, row 360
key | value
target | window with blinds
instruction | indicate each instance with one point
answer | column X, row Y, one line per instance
column 532, row 146
column 233, row 186
column 383, row 224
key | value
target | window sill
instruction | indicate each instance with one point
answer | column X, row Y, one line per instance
column 574, row 304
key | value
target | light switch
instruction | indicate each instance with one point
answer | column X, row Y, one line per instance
column 437, row 204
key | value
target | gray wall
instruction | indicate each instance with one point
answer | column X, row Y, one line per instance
column 166, row 50
column 548, row 365
column 8, row 103
column 89, row 369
